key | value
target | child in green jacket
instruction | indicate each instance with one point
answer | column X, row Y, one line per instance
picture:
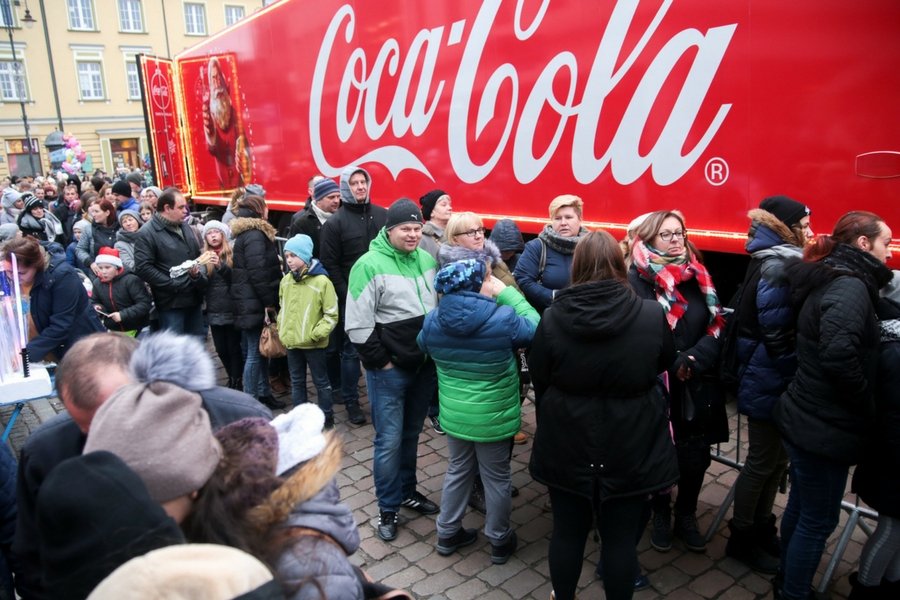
column 309, row 312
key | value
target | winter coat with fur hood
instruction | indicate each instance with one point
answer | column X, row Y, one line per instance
column 829, row 406
column 255, row 273
column 313, row 532
column 449, row 253
column 766, row 340
column 346, row 234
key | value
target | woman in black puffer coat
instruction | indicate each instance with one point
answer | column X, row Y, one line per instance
column 879, row 561
column 602, row 442
column 254, row 288
column 828, row 409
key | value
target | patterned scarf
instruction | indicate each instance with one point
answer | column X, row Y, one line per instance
column 666, row 273
column 890, row 330
column 563, row 245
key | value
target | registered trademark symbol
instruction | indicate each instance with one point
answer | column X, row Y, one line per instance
column 716, row 171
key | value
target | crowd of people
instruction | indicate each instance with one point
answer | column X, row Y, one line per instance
column 623, row 342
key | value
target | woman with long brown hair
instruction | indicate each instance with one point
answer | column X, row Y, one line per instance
column 102, row 232
column 59, row 308
column 602, row 442
column 219, row 305
column 829, row 407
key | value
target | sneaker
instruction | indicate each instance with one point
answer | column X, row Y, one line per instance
column 513, row 491
column 460, row 539
column 687, row 529
column 272, row 403
column 641, row 581
column 436, row 426
column 355, row 414
column 329, row 422
column 520, row 438
column 500, row 554
column 421, row 504
column 661, row 534
column 387, row 525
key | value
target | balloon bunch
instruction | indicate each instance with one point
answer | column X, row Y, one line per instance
column 75, row 154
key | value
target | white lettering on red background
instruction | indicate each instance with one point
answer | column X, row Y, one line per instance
column 362, row 79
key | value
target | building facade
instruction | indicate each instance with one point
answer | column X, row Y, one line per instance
column 73, row 70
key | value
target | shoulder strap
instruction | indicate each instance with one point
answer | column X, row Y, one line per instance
column 542, row 264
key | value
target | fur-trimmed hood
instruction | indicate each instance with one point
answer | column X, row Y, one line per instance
column 762, row 219
column 449, row 253
column 309, row 497
column 178, row 359
column 240, row 225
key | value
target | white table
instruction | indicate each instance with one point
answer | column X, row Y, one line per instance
column 18, row 390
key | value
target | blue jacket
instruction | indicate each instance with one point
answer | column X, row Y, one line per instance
column 60, row 309
column 538, row 288
column 766, row 340
column 471, row 339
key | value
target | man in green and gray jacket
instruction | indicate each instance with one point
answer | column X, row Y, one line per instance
column 390, row 290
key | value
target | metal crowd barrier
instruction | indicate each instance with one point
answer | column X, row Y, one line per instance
column 854, row 510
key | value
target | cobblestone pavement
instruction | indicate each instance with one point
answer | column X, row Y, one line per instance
column 411, row 561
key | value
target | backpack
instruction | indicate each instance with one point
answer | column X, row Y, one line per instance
column 741, row 322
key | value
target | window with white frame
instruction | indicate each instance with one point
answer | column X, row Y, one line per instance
column 233, row 14
column 81, row 14
column 3, row 13
column 130, row 18
column 12, row 81
column 194, row 18
column 90, row 79
column 131, row 76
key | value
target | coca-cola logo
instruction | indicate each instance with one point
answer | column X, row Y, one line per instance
column 365, row 80
column 159, row 90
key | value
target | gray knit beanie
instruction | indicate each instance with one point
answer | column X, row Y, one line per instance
column 162, row 433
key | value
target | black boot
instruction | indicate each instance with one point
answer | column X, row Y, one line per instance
column 859, row 591
column 272, row 403
column 767, row 537
column 661, row 534
column 743, row 546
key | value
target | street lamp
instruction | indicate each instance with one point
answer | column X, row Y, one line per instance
column 20, row 89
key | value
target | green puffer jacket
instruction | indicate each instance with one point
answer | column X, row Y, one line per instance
column 309, row 309
column 472, row 339
column 389, row 295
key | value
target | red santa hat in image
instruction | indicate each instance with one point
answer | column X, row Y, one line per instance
column 109, row 256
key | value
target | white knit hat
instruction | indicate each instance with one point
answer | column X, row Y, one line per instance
column 213, row 224
column 299, row 435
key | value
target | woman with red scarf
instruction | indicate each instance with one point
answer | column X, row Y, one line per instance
column 666, row 267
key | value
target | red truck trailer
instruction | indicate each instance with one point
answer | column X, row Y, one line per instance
column 634, row 105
